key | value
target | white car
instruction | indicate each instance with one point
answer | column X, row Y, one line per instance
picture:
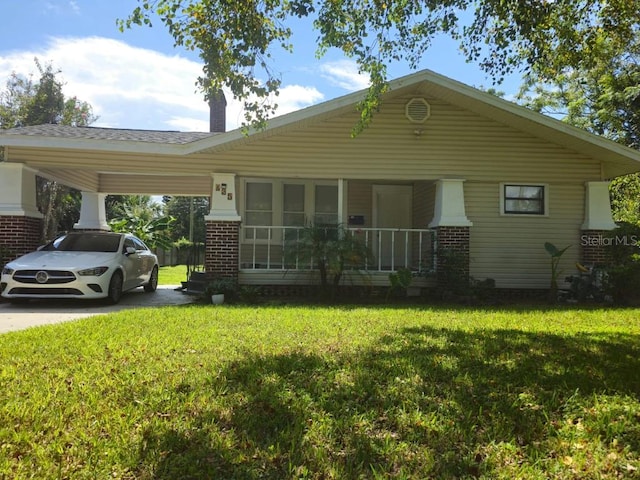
column 85, row 265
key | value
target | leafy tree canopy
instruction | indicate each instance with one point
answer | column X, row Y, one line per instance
column 602, row 96
column 139, row 215
column 25, row 102
column 236, row 40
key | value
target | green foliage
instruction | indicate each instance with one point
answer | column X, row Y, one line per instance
column 226, row 286
column 235, row 40
column 399, row 281
column 332, row 250
column 452, row 271
column 625, row 199
column 26, row 102
column 555, row 254
column 282, row 393
column 623, row 273
column 141, row 217
column 180, row 208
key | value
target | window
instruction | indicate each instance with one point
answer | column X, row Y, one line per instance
column 259, row 208
column 289, row 203
column 326, row 205
column 524, row 199
column 293, row 205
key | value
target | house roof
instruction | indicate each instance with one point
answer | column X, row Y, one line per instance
column 616, row 159
column 115, row 134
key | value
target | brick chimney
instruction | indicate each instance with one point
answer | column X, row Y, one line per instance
column 218, row 112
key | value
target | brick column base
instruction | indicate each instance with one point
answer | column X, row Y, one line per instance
column 452, row 260
column 18, row 235
column 222, row 250
column 594, row 247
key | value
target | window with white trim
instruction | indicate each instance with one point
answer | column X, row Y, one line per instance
column 258, row 208
column 293, row 203
column 523, row 199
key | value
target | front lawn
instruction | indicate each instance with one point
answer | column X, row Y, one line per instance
column 202, row 392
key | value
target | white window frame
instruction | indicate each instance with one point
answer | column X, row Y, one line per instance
column 545, row 200
column 277, row 202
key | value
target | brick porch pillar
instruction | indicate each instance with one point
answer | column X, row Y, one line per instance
column 598, row 222
column 452, row 256
column 222, row 248
column 452, row 233
column 20, row 220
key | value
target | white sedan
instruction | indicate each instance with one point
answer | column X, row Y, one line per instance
column 85, row 265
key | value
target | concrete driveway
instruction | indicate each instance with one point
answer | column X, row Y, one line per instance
column 43, row 312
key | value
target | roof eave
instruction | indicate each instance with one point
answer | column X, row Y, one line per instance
column 123, row 146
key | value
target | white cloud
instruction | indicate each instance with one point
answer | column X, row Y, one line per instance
column 132, row 87
column 344, row 74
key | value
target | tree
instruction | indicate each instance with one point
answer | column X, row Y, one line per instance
column 602, row 97
column 180, row 209
column 236, row 39
column 25, row 102
column 138, row 215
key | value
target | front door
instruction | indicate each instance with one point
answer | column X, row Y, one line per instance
column 392, row 210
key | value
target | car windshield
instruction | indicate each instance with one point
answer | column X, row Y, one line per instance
column 87, row 242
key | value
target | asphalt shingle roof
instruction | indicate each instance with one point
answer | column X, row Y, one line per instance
column 115, row 134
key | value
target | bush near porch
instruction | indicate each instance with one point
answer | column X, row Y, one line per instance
column 351, row 392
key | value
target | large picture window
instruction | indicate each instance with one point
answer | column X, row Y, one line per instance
column 523, row 199
column 290, row 203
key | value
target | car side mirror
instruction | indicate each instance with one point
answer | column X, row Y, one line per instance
column 129, row 251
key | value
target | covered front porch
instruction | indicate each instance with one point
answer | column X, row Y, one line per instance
column 399, row 224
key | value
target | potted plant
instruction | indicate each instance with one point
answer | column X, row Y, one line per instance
column 220, row 290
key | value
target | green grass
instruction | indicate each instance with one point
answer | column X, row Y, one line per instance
column 172, row 275
column 200, row 392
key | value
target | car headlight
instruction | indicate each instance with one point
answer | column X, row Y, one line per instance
column 93, row 272
column 7, row 271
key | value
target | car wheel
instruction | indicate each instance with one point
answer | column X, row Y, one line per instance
column 115, row 288
column 153, row 281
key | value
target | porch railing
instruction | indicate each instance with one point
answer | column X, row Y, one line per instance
column 274, row 248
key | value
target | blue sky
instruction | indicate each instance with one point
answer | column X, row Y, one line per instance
column 137, row 79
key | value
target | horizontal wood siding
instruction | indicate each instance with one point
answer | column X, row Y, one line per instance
column 424, row 195
column 510, row 249
column 454, row 142
column 359, row 201
column 157, row 185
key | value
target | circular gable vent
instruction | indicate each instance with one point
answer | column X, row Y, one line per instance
column 417, row 110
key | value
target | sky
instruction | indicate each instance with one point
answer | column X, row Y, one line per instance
column 137, row 79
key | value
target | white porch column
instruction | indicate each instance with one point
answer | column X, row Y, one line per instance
column 597, row 207
column 18, row 191
column 342, row 201
column 449, row 208
column 20, row 220
column 92, row 212
column 223, row 198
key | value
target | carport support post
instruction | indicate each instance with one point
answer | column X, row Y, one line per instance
column 452, row 233
column 598, row 221
column 20, row 220
column 92, row 212
column 222, row 246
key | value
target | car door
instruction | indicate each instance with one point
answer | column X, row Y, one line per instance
column 131, row 265
column 146, row 261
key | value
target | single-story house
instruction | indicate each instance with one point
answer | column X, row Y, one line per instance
column 442, row 166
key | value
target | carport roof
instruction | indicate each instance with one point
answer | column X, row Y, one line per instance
column 112, row 134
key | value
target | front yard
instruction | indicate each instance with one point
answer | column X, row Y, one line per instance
column 202, row 392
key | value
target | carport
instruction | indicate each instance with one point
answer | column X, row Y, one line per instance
column 101, row 161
